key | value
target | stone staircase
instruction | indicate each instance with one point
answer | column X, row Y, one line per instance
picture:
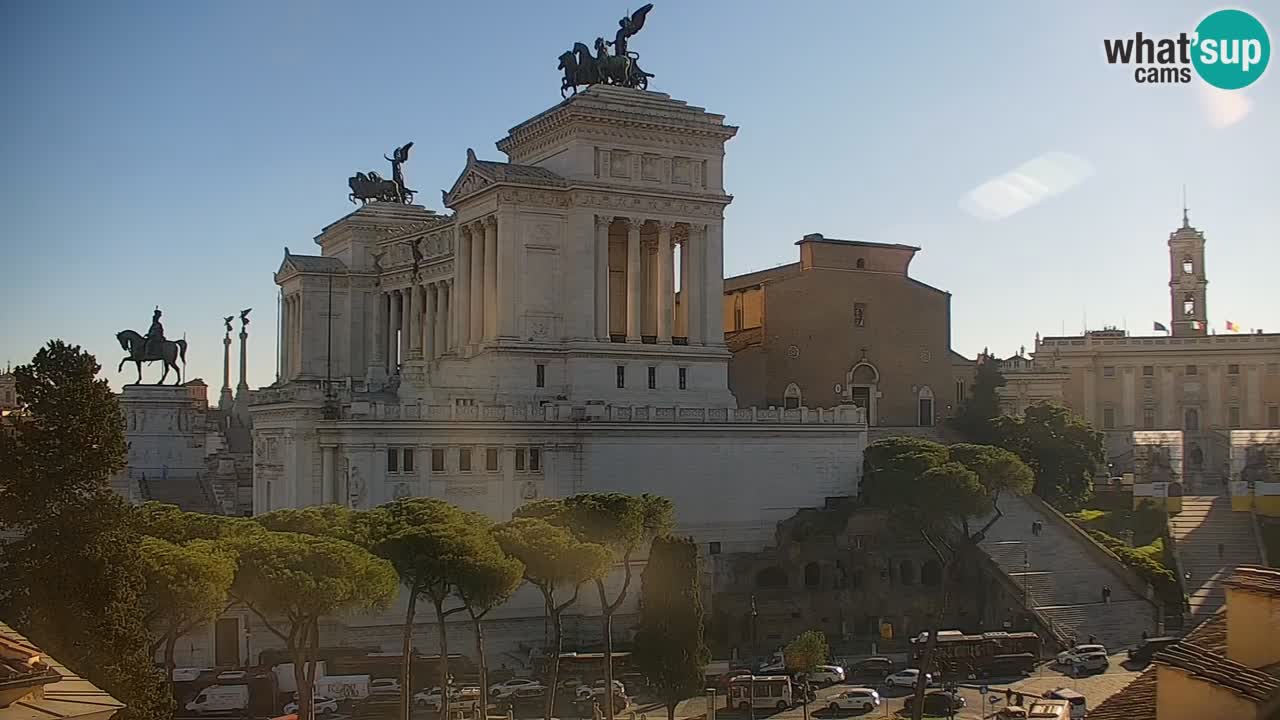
column 1205, row 522
column 1063, row 577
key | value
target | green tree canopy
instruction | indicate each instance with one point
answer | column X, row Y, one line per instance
column 332, row 521
column 483, row 581
column 805, row 653
column 73, row 573
column 186, row 586
column 980, row 409
column 669, row 647
column 1061, row 449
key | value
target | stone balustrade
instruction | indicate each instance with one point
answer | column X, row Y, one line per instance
column 841, row 415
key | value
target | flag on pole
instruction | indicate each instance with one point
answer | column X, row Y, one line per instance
column 1159, row 327
column 1232, row 327
column 1197, row 325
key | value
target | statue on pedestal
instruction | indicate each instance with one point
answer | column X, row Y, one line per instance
column 582, row 68
column 372, row 187
column 152, row 347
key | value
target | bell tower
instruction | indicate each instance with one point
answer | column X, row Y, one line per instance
column 1187, row 280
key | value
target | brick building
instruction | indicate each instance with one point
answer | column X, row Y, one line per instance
column 845, row 324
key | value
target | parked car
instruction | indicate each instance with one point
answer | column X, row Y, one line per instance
column 827, row 675
column 321, row 705
column 431, row 698
column 586, row 692
column 907, row 678
column 1067, row 657
column 1090, row 662
column 858, row 699
column 872, row 667
column 1143, row 653
column 937, row 703
column 1010, row 665
column 384, row 686
column 506, row 687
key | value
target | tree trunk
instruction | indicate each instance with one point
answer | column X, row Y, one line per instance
column 484, row 664
column 313, row 651
column 926, row 660
column 170, row 641
column 406, row 657
column 606, row 628
column 299, row 656
column 444, row 660
column 671, row 711
column 557, row 642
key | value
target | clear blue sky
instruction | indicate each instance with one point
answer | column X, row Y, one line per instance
column 160, row 152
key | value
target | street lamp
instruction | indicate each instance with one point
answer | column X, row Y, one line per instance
column 751, row 684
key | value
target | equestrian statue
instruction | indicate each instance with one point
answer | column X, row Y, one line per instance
column 619, row 68
column 372, row 187
column 151, row 347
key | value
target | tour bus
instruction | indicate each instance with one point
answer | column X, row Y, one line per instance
column 762, row 691
column 966, row 655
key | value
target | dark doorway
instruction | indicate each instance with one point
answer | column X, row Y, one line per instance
column 226, row 642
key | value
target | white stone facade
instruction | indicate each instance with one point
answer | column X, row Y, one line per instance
column 560, row 332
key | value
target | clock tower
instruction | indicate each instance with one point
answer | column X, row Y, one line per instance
column 1187, row 281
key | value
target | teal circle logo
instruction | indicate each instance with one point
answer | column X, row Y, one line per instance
column 1231, row 49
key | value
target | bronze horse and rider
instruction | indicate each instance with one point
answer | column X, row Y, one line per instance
column 152, row 347
column 620, row 68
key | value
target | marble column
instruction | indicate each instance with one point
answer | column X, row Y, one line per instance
column 682, row 317
column 602, row 278
column 462, row 273
column 393, row 341
column 696, row 242
column 491, row 302
column 712, row 278
column 413, row 322
column 282, row 340
column 379, row 330
column 444, row 331
column 634, row 300
column 665, row 279
column 432, row 345
column 477, row 283
column 405, row 294
column 327, row 488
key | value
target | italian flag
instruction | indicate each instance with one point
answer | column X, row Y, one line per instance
column 1232, row 327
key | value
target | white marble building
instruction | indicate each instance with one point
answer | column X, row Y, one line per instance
column 559, row 332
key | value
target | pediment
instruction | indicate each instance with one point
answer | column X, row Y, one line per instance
column 472, row 180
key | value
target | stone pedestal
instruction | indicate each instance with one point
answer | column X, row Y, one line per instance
column 166, row 428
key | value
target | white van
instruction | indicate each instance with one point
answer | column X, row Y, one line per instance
column 229, row 699
column 1077, row 702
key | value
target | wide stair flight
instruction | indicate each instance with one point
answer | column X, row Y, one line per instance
column 1063, row 581
column 1211, row 541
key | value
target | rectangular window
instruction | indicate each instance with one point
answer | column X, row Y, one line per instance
column 1193, row 370
column 491, row 459
column 1148, row 418
column 653, row 377
column 1109, row 371
column 542, row 376
column 859, row 314
column 464, row 459
column 535, row 460
column 519, row 459
column 1148, row 371
column 959, row 391
column 1233, row 369
column 393, row 460
column 437, row 459
column 1273, row 416
column 1108, row 418
column 407, row 464
column 684, row 378
column 1233, row 417
column 622, row 376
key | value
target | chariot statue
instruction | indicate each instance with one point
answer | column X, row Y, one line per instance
column 152, row 347
column 372, row 187
column 619, row 68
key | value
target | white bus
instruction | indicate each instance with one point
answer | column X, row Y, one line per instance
column 772, row 692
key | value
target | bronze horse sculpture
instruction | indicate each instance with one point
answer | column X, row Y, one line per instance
column 170, row 352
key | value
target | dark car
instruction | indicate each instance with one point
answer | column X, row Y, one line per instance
column 876, row 667
column 1142, row 654
column 1010, row 665
column 937, row 703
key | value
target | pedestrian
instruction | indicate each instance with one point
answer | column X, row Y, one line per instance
column 1106, row 593
column 1008, row 695
column 1093, row 639
column 1144, row 635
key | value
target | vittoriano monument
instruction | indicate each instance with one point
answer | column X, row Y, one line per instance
column 371, row 187
column 582, row 68
column 151, row 347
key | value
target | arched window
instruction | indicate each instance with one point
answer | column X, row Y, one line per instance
column 739, row 316
column 1189, row 304
column 812, row 575
column 1188, row 267
column 1191, row 420
column 861, row 264
column 771, row 577
column 1196, row 456
column 791, row 397
column 925, row 399
column 930, row 573
column 906, row 573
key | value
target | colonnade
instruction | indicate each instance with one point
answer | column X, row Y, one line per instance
column 413, row 323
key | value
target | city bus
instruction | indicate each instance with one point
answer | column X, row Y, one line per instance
column 965, row 654
column 772, row 692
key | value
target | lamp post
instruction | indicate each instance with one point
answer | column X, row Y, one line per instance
column 751, row 684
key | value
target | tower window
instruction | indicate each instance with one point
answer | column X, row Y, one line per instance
column 622, row 376
column 541, row 375
column 684, row 378
column 653, row 377
column 861, row 264
column 1187, row 266
column 1189, row 305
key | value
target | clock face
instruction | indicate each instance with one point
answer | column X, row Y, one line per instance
column 793, row 352
column 925, row 356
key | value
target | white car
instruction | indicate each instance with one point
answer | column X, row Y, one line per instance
column 384, row 686
column 321, row 705
column 827, row 675
column 1068, row 657
column 506, row 687
column 858, row 699
column 907, row 678
column 585, row 692
column 1090, row 661
column 431, row 698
